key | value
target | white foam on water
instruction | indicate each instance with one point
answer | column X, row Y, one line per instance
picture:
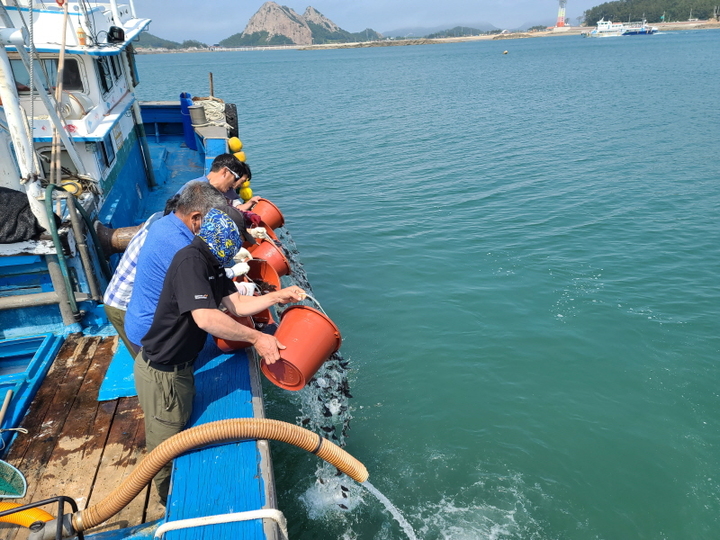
column 469, row 514
column 331, row 495
column 391, row 508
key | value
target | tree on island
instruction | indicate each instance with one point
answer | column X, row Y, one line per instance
column 193, row 44
column 458, row 31
column 256, row 39
column 148, row 41
column 652, row 10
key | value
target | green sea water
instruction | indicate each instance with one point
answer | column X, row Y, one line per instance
column 521, row 251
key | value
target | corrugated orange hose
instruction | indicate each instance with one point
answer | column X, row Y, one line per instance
column 223, row 431
column 24, row 518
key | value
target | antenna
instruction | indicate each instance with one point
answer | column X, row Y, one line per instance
column 561, row 14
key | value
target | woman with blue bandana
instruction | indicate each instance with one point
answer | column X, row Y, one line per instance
column 195, row 287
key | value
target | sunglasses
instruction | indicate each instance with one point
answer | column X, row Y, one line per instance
column 236, row 175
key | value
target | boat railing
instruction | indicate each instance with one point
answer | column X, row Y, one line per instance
column 268, row 513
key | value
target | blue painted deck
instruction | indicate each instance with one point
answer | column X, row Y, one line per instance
column 220, row 479
column 211, row 481
column 225, row 478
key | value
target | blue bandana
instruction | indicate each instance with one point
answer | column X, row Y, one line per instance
column 221, row 235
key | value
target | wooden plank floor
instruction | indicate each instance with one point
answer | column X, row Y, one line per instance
column 77, row 446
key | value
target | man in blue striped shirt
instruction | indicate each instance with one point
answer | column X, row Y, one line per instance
column 190, row 208
column 118, row 292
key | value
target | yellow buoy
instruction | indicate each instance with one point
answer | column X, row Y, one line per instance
column 240, row 156
column 72, row 186
column 246, row 194
column 234, row 144
column 245, row 184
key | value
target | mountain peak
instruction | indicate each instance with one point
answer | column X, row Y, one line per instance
column 279, row 20
column 312, row 15
column 274, row 24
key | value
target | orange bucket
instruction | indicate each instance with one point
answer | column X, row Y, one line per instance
column 268, row 230
column 269, row 213
column 268, row 251
column 226, row 345
column 264, row 317
column 310, row 338
column 262, row 271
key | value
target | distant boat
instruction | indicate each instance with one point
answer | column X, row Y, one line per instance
column 608, row 28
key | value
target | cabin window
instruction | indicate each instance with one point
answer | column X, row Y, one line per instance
column 47, row 69
column 106, row 151
column 116, row 69
column 67, row 166
column 105, row 74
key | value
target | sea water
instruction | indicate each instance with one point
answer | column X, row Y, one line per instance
column 521, row 251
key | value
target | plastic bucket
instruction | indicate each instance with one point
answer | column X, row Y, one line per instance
column 310, row 338
column 268, row 230
column 269, row 213
column 264, row 317
column 269, row 252
column 262, row 271
column 226, row 345
column 197, row 114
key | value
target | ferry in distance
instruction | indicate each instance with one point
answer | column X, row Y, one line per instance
column 608, row 28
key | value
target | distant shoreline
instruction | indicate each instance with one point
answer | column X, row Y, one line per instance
column 568, row 30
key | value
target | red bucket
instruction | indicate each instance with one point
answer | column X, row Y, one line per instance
column 268, row 231
column 268, row 251
column 263, row 271
column 226, row 345
column 269, row 213
column 310, row 338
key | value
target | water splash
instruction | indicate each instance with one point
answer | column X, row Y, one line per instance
column 391, row 508
column 324, row 402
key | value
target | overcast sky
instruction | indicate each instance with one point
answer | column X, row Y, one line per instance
column 213, row 20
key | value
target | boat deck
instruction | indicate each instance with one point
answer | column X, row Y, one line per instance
column 77, row 446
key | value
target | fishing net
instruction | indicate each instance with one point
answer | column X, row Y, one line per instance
column 12, row 482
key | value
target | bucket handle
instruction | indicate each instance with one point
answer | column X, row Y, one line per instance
column 308, row 297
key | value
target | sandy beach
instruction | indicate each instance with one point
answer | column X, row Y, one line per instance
column 568, row 30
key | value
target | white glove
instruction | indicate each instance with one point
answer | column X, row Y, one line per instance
column 240, row 269
column 245, row 289
column 259, row 232
column 242, row 256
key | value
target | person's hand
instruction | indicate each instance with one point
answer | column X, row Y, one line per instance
column 268, row 348
column 243, row 255
column 240, row 269
column 255, row 199
column 290, row 294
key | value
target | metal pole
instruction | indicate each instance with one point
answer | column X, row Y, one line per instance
column 83, row 249
column 59, row 285
column 212, row 86
column 55, row 174
column 140, row 127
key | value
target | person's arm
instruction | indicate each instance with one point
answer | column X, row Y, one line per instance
column 244, row 306
column 218, row 324
column 246, row 206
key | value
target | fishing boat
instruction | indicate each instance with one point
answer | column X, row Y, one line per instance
column 83, row 164
column 609, row 29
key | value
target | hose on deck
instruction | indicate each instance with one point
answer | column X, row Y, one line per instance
column 223, row 431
